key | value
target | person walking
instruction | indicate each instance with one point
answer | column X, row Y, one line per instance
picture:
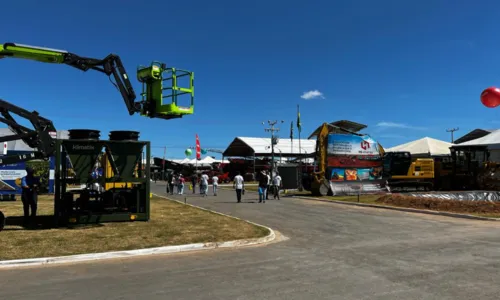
column 194, row 179
column 29, row 196
column 263, row 180
column 268, row 184
column 170, row 183
column 277, row 184
column 239, row 186
column 215, row 184
column 204, row 185
column 181, row 185
column 167, row 180
column 175, row 182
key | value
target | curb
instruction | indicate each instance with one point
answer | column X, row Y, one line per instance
column 143, row 252
column 404, row 209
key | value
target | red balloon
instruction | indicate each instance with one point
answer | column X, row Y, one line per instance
column 490, row 97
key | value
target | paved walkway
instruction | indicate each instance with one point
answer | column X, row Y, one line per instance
column 334, row 252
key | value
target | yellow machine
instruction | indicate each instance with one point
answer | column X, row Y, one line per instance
column 108, row 173
column 402, row 171
column 422, row 168
column 319, row 184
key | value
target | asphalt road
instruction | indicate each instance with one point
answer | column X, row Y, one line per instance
column 333, row 252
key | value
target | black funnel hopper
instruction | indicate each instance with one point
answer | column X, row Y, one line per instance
column 83, row 148
column 125, row 155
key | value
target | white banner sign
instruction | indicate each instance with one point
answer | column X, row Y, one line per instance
column 12, row 174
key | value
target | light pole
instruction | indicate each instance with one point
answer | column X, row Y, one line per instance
column 452, row 130
column 274, row 141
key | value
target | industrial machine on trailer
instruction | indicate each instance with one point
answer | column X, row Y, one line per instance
column 126, row 186
column 402, row 173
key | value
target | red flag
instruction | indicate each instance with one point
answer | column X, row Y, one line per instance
column 198, row 148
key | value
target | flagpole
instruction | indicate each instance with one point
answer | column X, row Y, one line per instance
column 299, row 125
column 163, row 170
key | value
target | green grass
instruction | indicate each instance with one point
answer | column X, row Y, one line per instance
column 171, row 223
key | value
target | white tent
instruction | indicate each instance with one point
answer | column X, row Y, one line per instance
column 492, row 140
column 207, row 160
column 424, row 146
column 184, row 161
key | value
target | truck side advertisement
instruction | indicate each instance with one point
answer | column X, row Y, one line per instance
column 354, row 163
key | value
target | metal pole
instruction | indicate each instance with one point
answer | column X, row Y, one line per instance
column 272, row 129
column 272, row 154
column 452, row 130
column 300, row 161
column 254, row 174
column 163, row 170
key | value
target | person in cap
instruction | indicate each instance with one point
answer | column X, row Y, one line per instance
column 29, row 196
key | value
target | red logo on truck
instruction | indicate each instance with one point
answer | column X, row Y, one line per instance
column 365, row 145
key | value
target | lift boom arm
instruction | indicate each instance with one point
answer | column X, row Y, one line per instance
column 41, row 137
column 111, row 65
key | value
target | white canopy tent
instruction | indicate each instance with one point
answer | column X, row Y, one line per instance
column 206, row 161
column 424, row 147
column 184, row 161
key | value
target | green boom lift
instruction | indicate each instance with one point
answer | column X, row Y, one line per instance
column 154, row 79
column 159, row 83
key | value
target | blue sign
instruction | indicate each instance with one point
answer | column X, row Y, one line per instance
column 8, row 176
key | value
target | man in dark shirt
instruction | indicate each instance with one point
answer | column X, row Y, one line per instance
column 263, row 181
column 194, row 180
column 29, row 196
column 170, row 183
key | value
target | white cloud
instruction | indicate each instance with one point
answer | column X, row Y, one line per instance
column 312, row 94
column 391, row 136
column 398, row 125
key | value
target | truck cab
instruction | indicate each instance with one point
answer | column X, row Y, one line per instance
column 396, row 164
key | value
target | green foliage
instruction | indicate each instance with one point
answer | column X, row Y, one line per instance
column 42, row 169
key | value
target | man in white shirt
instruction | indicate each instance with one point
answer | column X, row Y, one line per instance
column 268, row 184
column 204, row 184
column 239, row 186
column 277, row 184
column 215, row 183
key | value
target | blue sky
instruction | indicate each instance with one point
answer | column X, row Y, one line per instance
column 407, row 69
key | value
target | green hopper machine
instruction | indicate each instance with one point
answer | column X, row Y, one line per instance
column 81, row 193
